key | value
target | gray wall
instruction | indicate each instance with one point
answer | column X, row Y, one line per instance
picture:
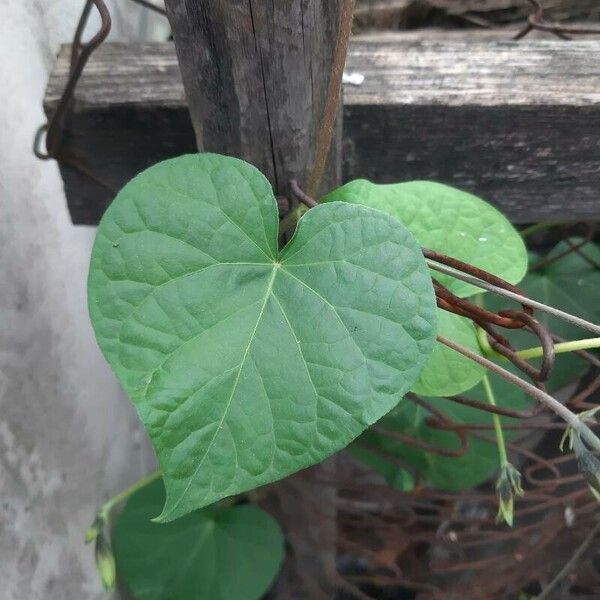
column 68, row 436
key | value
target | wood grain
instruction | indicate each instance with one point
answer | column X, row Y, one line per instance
column 516, row 122
column 394, row 14
column 255, row 75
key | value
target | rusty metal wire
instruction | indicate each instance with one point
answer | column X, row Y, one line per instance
column 53, row 129
column 536, row 21
column 442, row 544
column 80, row 53
column 300, row 195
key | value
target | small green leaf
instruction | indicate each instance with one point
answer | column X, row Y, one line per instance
column 211, row 554
column 446, row 372
column 449, row 221
column 245, row 363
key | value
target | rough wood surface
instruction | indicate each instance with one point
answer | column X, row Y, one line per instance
column 256, row 74
column 400, row 14
column 515, row 122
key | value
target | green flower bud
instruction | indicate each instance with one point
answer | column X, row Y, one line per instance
column 589, row 465
column 589, row 418
column 508, row 485
column 105, row 562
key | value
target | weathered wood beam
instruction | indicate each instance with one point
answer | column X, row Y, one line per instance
column 516, row 122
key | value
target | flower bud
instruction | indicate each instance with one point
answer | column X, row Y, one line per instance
column 589, row 465
column 508, row 485
column 105, row 562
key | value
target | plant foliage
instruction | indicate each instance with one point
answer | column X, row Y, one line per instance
column 247, row 363
column 216, row 553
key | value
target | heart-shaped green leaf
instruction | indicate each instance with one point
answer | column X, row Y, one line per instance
column 449, row 221
column 463, row 226
column 247, row 364
column 211, row 554
column 446, row 372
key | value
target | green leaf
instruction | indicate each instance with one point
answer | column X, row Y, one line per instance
column 245, row 363
column 449, row 221
column 396, row 477
column 571, row 283
column 460, row 225
column 478, row 463
column 446, row 372
column 211, row 554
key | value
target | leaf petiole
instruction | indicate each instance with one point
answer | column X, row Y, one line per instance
column 540, row 227
column 538, row 351
column 489, row 393
column 128, row 491
column 291, row 219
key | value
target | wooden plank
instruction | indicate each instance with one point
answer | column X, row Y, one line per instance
column 515, row 122
column 256, row 76
column 396, row 14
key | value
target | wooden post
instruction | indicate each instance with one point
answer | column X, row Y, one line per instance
column 255, row 74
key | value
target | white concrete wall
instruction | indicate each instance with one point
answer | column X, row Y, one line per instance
column 68, row 436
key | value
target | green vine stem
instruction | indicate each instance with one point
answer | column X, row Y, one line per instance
column 289, row 221
column 491, row 398
column 106, row 508
column 541, row 226
column 539, row 395
column 538, row 351
column 508, row 484
column 98, row 532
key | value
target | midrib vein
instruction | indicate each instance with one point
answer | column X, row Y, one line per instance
column 233, row 389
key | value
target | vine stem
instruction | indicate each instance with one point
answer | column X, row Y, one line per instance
column 128, row 491
column 516, row 297
column 539, row 395
column 332, row 99
column 489, row 392
column 538, row 351
column 291, row 219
